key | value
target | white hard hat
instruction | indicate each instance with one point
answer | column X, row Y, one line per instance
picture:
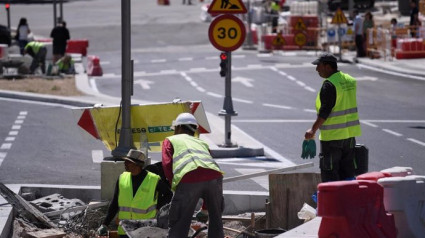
column 184, row 119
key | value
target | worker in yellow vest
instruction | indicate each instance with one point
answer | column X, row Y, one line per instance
column 139, row 194
column 66, row 65
column 337, row 119
column 38, row 51
column 193, row 174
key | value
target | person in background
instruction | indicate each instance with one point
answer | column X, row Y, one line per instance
column 66, row 65
column 358, row 32
column 60, row 35
column 338, row 120
column 414, row 18
column 274, row 11
column 193, row 174
column 368, row 23
column 22, row 33
column 138, row 194
column 38, row 52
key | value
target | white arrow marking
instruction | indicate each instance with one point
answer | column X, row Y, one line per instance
column 244, row 81
column 366, row 78
column 144, row 83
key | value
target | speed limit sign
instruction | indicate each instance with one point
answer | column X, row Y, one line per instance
column 227, row 33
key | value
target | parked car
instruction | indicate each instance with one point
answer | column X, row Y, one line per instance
column 343, row 4
column 5, row 37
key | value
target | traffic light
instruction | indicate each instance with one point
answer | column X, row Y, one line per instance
column 223, row 64
column 7, row 6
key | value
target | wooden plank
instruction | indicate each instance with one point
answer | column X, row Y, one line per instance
column 25, row 209
column 288, row 193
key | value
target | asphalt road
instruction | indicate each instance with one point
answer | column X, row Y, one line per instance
column 273, row 94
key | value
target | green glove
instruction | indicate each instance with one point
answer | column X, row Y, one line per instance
column 312, row 148
column 305, row 152
column 102, row 230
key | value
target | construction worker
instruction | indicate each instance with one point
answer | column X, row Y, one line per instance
column 138, row 194
column 337, row 119
column 38, row 52
column 193, row 174
column 66, row 65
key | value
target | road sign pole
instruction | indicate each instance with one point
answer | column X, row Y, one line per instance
column 54, row 13
column 227, row 110
column 126, row 138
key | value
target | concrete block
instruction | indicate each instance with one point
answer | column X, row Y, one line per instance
column 50, row 233
column 56, row 202
column 236, row 202
column 109, row 173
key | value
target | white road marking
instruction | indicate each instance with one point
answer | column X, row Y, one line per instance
column 215, row 95
column 254, row 66
column 145, row 84
column 37, row 103
column 310, row 89
column 392, row 132
column 369, row 124
column 302, row 84
column 272, row 120
column 366, row 78
column 2, row 157
column 291, row 78
column 16, row 127
column 107, row 62
column 194, row 84
column 238, row 56
column 310, row 110
column 416, row 141
column 212, row 58
column 19, row 121
column 263, row 181
column 243, row 81
column 23, row 113
column 276, row 106
column 6, row 146
column 390, row 72
column 21, row 117
column 186, row 59
column 242, row 100
column 158, row 61
column 10, row 139
column 13, row 133
column 97, row 156
column 197, row 69
column 200, row 89
column 264, row 55
column 168, row 71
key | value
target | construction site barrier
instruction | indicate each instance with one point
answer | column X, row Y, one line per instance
column 353, row 209
column 77, row 46
column 163, row 2
column 373, row 176
column 405, row 199
column 398, row 171
column 93, row 66
column 3, row 51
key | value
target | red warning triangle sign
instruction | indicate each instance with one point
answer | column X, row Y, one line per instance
column 227, row 6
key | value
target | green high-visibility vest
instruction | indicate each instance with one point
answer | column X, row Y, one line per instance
column 343, row 122
column 189, row 154
column 143, row 204
column 35, row 46
column 63, row 66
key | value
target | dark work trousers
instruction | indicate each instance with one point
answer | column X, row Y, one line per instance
column 337, row 159
column 184, row 203
column 359, row 46
column 40, row 57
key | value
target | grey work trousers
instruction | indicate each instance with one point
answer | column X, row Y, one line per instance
column 184, row 203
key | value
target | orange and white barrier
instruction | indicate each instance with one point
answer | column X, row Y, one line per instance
column 93, row 66
column 77, row 46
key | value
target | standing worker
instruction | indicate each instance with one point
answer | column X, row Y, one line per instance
column 193, row 174
column 60, row 35
column 358, row 33
column 38, row 52
column 138, row 194
column 337, row 119
column 22, row 33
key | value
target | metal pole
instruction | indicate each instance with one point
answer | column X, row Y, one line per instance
column 126, row 138
column 8, row 15
column 227, row 110
column 54, row 13
column 339, row 42
column 61, row 10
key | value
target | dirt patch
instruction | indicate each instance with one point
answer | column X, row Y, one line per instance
column 58, row 86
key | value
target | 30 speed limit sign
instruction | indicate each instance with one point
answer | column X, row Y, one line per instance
column 227, row 33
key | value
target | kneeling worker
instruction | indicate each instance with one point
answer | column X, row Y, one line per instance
column 66, row 65
column 139, row 194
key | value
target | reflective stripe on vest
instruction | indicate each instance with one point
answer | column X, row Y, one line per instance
column 189, row 154
column 143, row 204
column 343, row 122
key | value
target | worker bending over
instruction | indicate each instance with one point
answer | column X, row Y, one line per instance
column 38, row 51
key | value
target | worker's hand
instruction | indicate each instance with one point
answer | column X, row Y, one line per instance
column 102, row 231
column 309, row 134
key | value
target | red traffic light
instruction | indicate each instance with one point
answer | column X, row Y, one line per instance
column 223, row 56
column 7, row 6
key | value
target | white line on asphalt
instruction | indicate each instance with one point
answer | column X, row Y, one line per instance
column 397, row 121
column 23, row 113
column 97, row 156
column 211, row 58
column 194, row 84
column 368, row 123
column 2, row 157
column 263, row 181
column 302, row 84
column 10, row 138
column 238, row 56
column 200, row 89
column 392, row 132
column 214, row 94
column 19, row 121
column 16, row 127
column 242, row 100
column 310, row 110
column 13, row 133
column 291, row 78
column 37, row 103
column 168, row 71
column 390, row 72
column 282, row 65
column 139, row 73
column 416, row 141
column 254, row 66
column 186, row 59
column 93, row 85
column 264, row 55
column 6, row 146
column 21, row 117
column 276, row 106
column 310, row 89
column 107, row 62
column 109, row 75
column 158, row 61
column 197, row 69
